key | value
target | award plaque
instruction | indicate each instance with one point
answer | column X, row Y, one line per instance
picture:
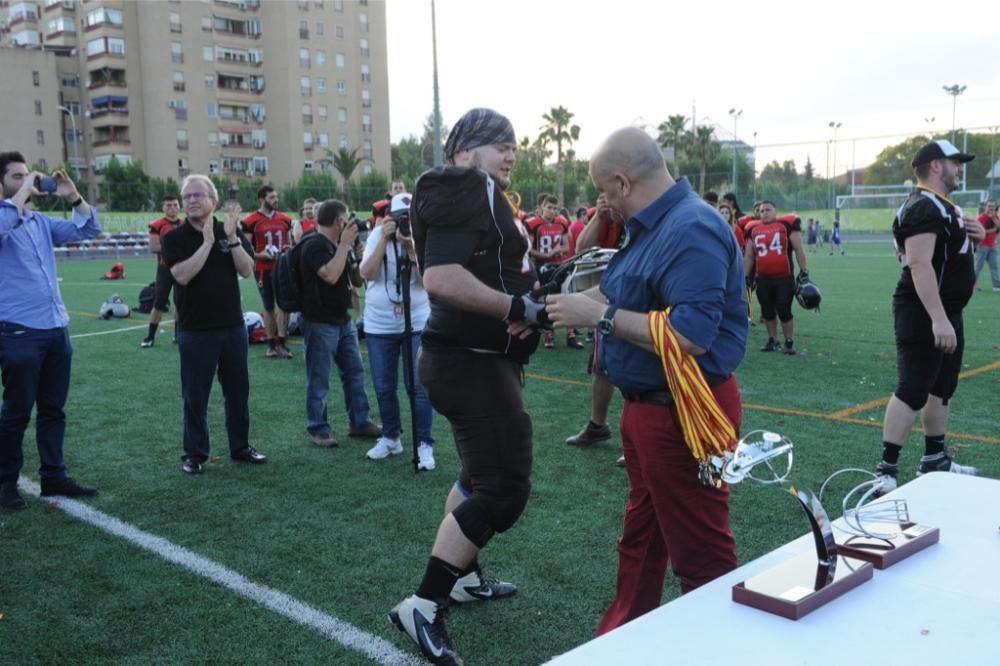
column 878, row 531
column 794, row 588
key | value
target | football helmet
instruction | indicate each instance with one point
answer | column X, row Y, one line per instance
column 808, row 295
column 578, row 273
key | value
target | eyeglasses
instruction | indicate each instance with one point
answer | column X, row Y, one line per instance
column 194, row 196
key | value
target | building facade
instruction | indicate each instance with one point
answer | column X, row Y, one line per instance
column 227, row 87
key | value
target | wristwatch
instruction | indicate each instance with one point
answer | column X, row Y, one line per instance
column 606, row 324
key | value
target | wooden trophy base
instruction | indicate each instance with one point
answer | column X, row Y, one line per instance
column 911, row 538
column 789, row 589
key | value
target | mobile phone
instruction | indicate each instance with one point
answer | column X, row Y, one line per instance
column 46, row 184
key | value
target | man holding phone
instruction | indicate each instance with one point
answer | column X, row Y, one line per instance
column 35, row 351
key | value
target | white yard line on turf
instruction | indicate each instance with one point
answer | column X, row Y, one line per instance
column 378, row 649
column 114, row 330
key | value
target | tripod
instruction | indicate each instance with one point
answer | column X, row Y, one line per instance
column 404, row 267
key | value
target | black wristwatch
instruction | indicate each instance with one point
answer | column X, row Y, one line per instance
column 606, row 324
column 233, row 243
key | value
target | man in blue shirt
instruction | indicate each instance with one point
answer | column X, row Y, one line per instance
column 678, row 253
column 35, row 351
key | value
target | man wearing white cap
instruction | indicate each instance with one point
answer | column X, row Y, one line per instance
column 934, row 244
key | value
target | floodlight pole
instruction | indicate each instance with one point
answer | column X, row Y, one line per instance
column 736, row 117
column 835, row 126
column 438, row 153
column 754, row 166
column 954, row 91
column 76, row 141
column 930, row 126
column 993, row 163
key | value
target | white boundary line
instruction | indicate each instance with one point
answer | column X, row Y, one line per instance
column 114, row 330
column 377, row 649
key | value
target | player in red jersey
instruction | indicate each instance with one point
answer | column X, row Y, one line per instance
column 770, row 242
column 269, row 231
column 306, row 222
column 550, row 245
column 159, row 228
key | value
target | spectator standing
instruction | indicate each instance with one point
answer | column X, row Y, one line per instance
column 986, row 252
column 159, row 228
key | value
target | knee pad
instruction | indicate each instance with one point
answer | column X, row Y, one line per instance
column 913, row 396
column 481, row 516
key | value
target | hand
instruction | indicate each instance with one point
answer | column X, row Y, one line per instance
column 529, row 311
column 388, row 228
column 802, row 278
column 348, row 235
column 749, row 279
column 973, row 229
column 65, row 187
column 208, row 232
column 944, row 336
column 231, row 219
column 574, row 310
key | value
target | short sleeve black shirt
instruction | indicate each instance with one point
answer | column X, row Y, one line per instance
column 211, row 299
column 322, row 302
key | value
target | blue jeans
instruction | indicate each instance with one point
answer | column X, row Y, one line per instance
column 383, row 355
column 326, row 344
column 205, row 354
column 36, row 367
column 988, row 255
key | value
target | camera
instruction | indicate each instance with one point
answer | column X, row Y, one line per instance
column 362, row 225
column 46, row 184
column 402, row 221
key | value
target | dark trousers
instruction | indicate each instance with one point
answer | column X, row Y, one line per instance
column 36, row 368
column 205, row 355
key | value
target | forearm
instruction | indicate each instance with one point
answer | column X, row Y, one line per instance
column 588, row 237
column 800, row 254
column 242, row 260
column 456, row 286
column 154, row 243
column 185, row 271
column 925, row 282
column 333, row 270
column 371, row 264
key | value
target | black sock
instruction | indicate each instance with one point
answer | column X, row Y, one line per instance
column 597, row 426
column 890, row 453
column 933, row 445
column 271, row 342
column 152, row 331
column 438, row 580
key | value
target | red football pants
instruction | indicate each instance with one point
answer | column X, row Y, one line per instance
column 670, row 516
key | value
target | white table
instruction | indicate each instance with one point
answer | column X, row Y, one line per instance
column 941, row 606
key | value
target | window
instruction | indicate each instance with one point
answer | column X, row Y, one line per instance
column 73, row 108
column 307, row 165
column 366, row 98
column 40, row 137
column 101, row 45
column 339, row 32
column 319, row 4
column 35, row 80
column 175, row 22
column 320, row 29
column 38, row 107
column 180, row 109
column 70, row 137
column 179, row 81
column 321, row 85
column 323, row 139
column 26, row 37
column 102, row 16
column 364, row 48
column 304, row 58
column 260, row 165
column 206, row 23
column 213, row 138
column 182, row 139
column 62, row 24
column 182, row 166
column 366, row 74
column 303, row 29
column 341, row 87
column 307, row 114
column 213, row 110
column 70, row 80
column 320, row 57
column 364, row 21
column 366, row 149
column 258, row 138
column 323, row 112
column 366, row 123
column 338, row 5
column 304, row 5
column 213, row 167
column 342, row 114
column 305, row 86
column 209, row 81
column 176, row 53
column 207, row 53
column 343, row 141
column 340, row 60
column 307, row 140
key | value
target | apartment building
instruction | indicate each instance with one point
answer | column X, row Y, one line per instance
column 229, row 87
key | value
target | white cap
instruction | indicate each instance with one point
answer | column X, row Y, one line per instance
column 400, row 203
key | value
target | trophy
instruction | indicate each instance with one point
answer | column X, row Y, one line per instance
column 880, row 530
column 798, row 586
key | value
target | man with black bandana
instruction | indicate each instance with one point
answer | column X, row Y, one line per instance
column 478, row 273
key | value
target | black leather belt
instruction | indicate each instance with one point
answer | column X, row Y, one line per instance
column 665, row 397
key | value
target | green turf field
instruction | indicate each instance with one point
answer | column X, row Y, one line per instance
column 350, row 537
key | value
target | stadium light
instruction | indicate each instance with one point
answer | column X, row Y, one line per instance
column 930, row 126
column 736, row 118
column 834, row 125
column 954, row 91
column 76, row 141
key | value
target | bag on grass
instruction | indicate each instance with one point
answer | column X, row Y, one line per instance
column 114, row 308
column 147, row 296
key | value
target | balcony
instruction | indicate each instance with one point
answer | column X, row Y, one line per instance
column 100, row 78
column 182, row 145
column 117, row 136
column 179, row 86
column 26, row 16
column 109, row 107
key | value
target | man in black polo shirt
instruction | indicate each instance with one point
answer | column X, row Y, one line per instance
column 328, row 267
column 934, row 244
column 204, row 257
column 477, row 271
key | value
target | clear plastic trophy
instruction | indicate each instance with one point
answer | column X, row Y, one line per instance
column 798, row 586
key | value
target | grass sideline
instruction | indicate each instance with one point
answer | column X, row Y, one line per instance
column 350, row 536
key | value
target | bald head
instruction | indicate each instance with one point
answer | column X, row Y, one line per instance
column 628, row 169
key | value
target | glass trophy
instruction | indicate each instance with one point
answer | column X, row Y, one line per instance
column 798, row 586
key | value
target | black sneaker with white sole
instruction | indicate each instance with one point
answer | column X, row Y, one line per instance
column 942, row 462
column 474, row 586
column 423, row 621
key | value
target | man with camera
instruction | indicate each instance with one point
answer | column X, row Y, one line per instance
column 35, row 351
column 327, row 268
column 388, row 252
column 270, row 234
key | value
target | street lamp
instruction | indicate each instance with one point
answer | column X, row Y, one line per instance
column 834, row 126
column 76, row 141
column 736, row 118
column 930, row 126
column 954, row 91
column 754, row 166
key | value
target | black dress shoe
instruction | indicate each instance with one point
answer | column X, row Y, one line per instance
column 249, row 455
column 10, row 499
column 66, row 488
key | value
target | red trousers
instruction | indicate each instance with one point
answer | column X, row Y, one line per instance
column 670, row 516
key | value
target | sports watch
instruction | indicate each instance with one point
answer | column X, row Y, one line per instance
column 606, row 324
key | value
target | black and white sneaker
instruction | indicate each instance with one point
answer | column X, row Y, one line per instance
column 942, row 462
column 885, row 475
column 772, row 345
column 474, row 586
column 423, row 620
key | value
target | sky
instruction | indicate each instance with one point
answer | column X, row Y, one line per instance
column 876, row 67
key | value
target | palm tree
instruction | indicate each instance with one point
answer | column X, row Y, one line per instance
column 557, row 129
column 344, row 161
column 705, row 147
column 671, row 135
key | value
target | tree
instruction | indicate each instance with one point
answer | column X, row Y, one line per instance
column 557, row 129
column 344, row 161
column 126, row 187
column 705, row 149
column 671, row 135
column 808, row 173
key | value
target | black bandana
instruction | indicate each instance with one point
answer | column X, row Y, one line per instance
column 478, row 127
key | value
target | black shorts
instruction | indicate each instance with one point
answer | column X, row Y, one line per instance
column 775, row 296
column 921, row 367
column 164, row 283
column 480, row 395
column 266, row 285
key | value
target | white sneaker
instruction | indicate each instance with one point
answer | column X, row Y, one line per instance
column 425, row 452
column 384, row 448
